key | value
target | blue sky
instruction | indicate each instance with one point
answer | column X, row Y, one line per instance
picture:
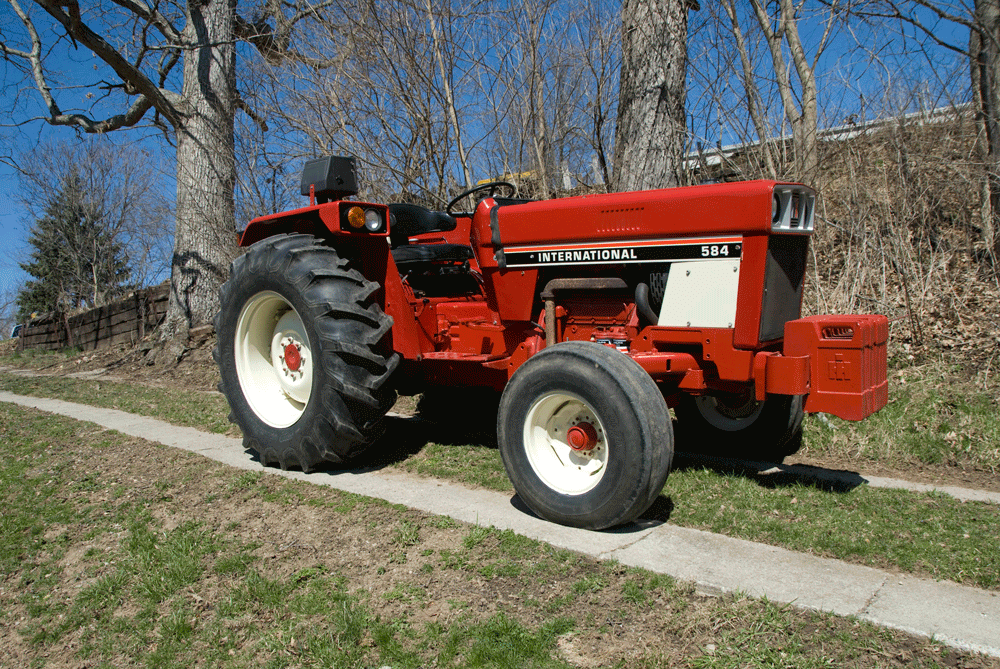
column 11, row 231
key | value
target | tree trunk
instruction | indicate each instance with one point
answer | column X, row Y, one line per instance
column 751, row 90
column 801, row 111
column 204, row 238
column 984, row 51
column 649, row 138
column 804, row 132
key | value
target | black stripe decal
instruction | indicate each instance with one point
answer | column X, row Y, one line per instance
column 626, row 254
column 498, row 254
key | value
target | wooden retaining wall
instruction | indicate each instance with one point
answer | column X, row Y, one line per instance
column 124, row 322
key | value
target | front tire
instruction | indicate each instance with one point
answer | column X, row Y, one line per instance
column 740, row 425
column 585, row 436
column 301, row 353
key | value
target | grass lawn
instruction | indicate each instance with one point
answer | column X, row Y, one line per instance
column 118, row 552
column 925, row 534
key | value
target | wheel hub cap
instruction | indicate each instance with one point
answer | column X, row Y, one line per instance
column 273, row 359
column 292, row 357
column 289, row 357
column 582, row 437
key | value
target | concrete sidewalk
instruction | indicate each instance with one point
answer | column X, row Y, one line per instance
column 957, row 615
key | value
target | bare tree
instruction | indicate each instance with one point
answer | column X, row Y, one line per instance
column 782, row 31
column 8, row 312
column 649, row 139
column 982, row 20
column 266, row 179
column 751, row 91
column 529, row 40
column 600, row 54
column 984, row 61
column 393, row 94
column 732, row 98
column 122, row 184
column 196, row 103
column 444, row 47
column 538, row 96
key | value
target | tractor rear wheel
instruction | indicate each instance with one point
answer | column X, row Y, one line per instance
column 740, row 425
column 585, row 436
column 301, row 353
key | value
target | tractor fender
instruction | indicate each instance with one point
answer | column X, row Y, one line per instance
column 323, row 221
column 320, row 221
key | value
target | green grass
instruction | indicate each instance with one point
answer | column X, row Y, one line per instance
column 205, row 411
column 141, row 601
column 933, row 417
column 102, row 569
column 931, row 534
column 927, row 534
column 41, row 359
column 924, row 534
column 106, row 563
column 472, row 464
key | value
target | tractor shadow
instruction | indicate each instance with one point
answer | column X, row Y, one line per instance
column 770, row 474
column 406, row 437
column 765, row 474
column 448, row 417
column 403, row 439
column 656, row 515
column 471, row 423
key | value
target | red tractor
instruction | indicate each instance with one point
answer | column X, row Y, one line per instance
column 592, row 314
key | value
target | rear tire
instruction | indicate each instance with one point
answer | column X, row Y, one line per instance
column 301, row 353
column 585, row 436
column 740, row 426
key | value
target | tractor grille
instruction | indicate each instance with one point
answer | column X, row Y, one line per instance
column 783, row 279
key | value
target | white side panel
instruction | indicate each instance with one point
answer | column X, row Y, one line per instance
column 701, row 294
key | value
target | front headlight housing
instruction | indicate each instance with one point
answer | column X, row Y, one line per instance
column 356, row 218
column 792, row 209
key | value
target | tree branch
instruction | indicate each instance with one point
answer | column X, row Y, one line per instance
column 898, row 14
column 166, row 102
column 152, row 17
column 275, row 43
column 242, row 105
column 34, row 58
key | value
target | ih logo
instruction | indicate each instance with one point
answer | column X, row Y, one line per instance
column 838, row 369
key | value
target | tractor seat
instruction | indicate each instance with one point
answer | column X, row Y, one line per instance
column 406, row 220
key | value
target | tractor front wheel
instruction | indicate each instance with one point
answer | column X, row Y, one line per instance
column 585, row 436
column 740, row 425
column 301, row 354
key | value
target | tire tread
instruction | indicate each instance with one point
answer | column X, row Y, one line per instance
column 337, row 300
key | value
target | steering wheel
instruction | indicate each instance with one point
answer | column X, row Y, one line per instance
column 490, row 189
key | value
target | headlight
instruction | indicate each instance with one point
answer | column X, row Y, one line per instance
column 374, row 220
column 792, row 209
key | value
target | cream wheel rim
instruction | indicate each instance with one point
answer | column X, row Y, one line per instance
column 274, row 362
column 566, row 443
column 730, row 416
